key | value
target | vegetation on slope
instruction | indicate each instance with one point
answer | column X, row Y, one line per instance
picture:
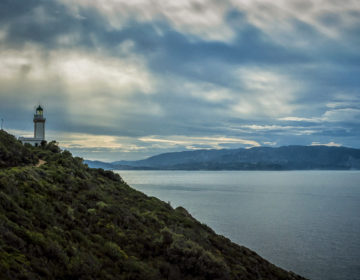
column 13, row 153
column 63, row 220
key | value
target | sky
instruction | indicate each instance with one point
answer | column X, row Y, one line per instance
column 125, row 80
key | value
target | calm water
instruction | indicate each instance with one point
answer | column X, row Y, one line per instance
column 304, row 221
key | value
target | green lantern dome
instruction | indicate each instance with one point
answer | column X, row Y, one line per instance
column 39, row 111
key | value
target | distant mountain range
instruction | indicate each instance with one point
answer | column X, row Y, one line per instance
column 257, row 158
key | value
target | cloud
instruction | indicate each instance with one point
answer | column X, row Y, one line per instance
column 265, row 93
column 267, row 127
column 90, row 86
column 211, row 20
column 330, row 144
column 210, row 142
column 280, row 129
column 300, row 119
column 342, row 115
column 199, row 18
column 269, row 143
column 93, row 145
column 82, row 70
column 280, row 19
column 209, row 92
column 345, row 100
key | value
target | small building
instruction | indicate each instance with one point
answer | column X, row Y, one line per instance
column 39, row 129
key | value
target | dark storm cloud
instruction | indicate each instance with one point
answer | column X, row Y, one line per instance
column 43, row 22
column 171, row 51
column 29, row 21
column 10, row 10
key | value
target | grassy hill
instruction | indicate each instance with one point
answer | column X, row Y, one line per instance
column 63, row 220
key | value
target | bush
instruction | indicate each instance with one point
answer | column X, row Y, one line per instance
column 114, row 251
column 14, row 153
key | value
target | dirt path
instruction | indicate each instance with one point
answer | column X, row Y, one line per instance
column 41, row 162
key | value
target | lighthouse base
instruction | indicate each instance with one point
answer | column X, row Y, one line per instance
column 32, row 141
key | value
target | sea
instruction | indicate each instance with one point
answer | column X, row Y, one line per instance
column 304, row 221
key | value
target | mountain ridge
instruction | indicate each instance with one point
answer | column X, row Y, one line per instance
column 294, row 157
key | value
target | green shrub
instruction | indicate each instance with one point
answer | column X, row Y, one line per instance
column 114, row 251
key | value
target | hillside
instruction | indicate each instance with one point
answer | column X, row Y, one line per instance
column 63, row 220
column 257, row 158
column 13, row 153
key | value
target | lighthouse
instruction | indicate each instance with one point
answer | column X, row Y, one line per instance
column 39, row 129
column 39, row 124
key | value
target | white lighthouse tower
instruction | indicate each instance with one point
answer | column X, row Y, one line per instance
column 39, row 124
column 39, row 129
